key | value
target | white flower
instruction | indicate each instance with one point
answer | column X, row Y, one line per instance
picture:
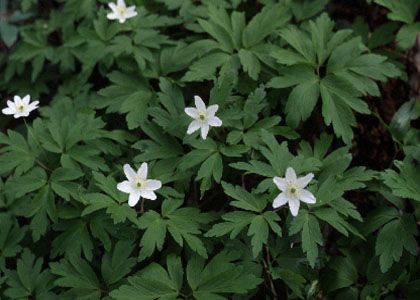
column 120, row 11
column 203, row 117
column 293, row 191
column 20, row 107
column 138, row 185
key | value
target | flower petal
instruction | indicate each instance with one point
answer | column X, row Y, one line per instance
column 212, row 109
column 18, row 101
column 280, row 200
column 125, row 187
column 307, row 197
column 121, row 19
column 281, row 183
column 194, row 126
column 131, row 12
column 133, row 198
column 148, row 195
column 112, row 16
column 112, row 6
column 199, row 103
column 121, row 3
column 129, row 172
column 26, row 99
column 192, row 112
column 215, row 122
column 290, row 175
column 142, row 171
column 204, row 130
column 9, row 111
column 302, row 182
column 153, row 185
column 294, row 206
column 11, row 104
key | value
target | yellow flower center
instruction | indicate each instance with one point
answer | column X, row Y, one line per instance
column 20, row 108
column 122, row 10
column 293, row 191
column 201, row 117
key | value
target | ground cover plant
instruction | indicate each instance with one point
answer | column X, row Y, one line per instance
column 214, row 149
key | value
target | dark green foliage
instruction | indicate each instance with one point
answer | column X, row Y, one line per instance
column 302, row 84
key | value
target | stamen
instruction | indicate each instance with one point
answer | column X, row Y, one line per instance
column 20, row 108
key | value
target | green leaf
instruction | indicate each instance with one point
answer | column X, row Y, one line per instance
column 10, row 236
column 73, row 240
column 405, row 183
column 258, row 230
column 119, row 212
column 265, row 23
column 250, row 63
column 75, row 273
column 154, row 236
column 8, row 33
column 311, row 234
column 404, row 10
column 393, row 238
column 18, row 186
column 61, row 182
column 29, row 280
column 406, row 36
column 220, row 275
column 17, row 154
column 153, row 282
column 117, row 263
column 243, row 199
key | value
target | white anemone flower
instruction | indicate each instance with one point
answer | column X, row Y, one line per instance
column 20, row 107
column 204, row 117
column 138, row 185
column 121, row 12
column 293, row 191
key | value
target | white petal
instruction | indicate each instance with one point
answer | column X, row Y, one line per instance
column 142, row 171
column 194, row 126
column 26, row 99
column 148, row 195
column 131, row 12
column 199, row 103
column 121, row 3
column 212, row 109
column 290, row 175
column 112, row 6
column 11, row 104
column 302, row 182
column 125, row 187
column 281, row 183
column 9, row 111
column 215, row 122
column 121, row 19
column 153, row 185
column 204, row 130
column 280, row 200
column 192, row 112
column 133, row 198
column 18, row 101
column 307, row 197
column 129, row 172
column 32, row 106
column 112, row 16
column 294, row 206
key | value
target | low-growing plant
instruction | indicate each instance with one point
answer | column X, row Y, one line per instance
column 180, row 149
